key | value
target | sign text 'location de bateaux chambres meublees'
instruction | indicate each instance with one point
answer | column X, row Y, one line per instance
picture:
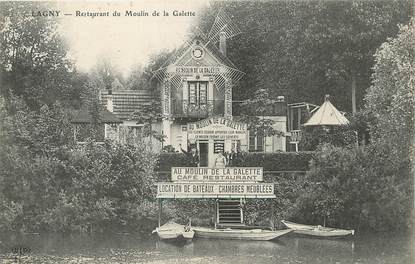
column 214, row 190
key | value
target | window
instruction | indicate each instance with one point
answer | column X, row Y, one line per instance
column 256, row 141
column 197, row 93
column 136, row 131
column 236, row 145
column 218, row 146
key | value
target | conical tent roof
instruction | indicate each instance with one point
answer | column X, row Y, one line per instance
column 327, row 115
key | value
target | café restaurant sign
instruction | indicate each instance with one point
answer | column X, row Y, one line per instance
column 218, row 128
column 228, row 174
column 214, row 190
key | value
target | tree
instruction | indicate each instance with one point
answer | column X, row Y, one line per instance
column 391, row 102
column 148, row 114
column 40, row 132
column 391, row 98
column 106, row 76
column 372, row 186
column 137, row 79
column 33, row 56
column 256, row 112
column 157, row 62
column 306, row 49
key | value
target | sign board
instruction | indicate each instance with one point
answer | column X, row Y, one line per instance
column 214, row 190
column 196, row 70
column 228, row 174
column 218, row 128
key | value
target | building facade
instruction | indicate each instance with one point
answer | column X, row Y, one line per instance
column 197, row 108
column 196, row 92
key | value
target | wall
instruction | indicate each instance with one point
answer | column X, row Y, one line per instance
column 278, row 142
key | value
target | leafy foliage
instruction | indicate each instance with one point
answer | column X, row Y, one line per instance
column 355, row 187
column 306, row 49
column 33, row 58
column 254, row 112
column 280, row 161
column 148, row 114
column 91, row 189
column 41, row 131
column 391, row 98
column 312, row 137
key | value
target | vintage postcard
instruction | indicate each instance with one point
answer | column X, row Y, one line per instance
column 176, row 131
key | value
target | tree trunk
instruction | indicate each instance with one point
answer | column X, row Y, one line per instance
column 353, row 93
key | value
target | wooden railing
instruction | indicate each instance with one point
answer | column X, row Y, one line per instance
column 295, row 136
column 183, row 108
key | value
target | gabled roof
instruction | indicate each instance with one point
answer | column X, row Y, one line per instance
column 84, row 116
column 210, row 47
column 327, row 115
column 125, row 102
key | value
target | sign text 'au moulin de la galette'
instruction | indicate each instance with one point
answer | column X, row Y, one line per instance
column 228, row 174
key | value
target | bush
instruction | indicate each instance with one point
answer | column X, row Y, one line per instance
column 168, row 160
column 93, row 188
column 337, row 136
column 357, row 187
column 280, row 161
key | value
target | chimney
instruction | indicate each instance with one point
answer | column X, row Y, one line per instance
column 222, row 42
column 110, row 104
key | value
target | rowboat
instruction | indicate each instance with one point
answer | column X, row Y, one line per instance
column 171, row 231
column 239, row 234
column 317, row 231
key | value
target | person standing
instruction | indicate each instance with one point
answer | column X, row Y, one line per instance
column 220, row 161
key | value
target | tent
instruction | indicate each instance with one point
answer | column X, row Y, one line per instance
column 327, row 115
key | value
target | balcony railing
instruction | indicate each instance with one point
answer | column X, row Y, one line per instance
column 295, row 136
column 183, row 108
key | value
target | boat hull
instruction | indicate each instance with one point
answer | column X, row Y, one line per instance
column 165, row 235
column 172, row 231
column 317, row 231
column 188, row 235
column 239, row 234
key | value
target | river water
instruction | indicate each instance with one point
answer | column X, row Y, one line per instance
column 124, row 248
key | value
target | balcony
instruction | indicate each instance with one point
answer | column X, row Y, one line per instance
column 182, row 108
column 295, row 136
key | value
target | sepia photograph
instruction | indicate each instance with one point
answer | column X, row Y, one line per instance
column 207, row 131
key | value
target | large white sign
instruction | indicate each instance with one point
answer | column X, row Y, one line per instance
column 215, row 190
column 218, row 128
column 229, row 174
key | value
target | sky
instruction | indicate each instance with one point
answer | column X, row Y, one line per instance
column 125, row 40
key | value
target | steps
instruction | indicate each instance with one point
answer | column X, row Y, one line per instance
column 229, row 213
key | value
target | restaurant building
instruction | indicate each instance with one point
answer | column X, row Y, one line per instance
column 198, row 111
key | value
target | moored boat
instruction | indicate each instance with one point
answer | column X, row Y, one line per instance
column 317, row 231
column 239, row 234
column 171, row 231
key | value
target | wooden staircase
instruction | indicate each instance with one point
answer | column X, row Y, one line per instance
column 229, row 213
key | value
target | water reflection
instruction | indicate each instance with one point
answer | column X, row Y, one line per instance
column 135, row 249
